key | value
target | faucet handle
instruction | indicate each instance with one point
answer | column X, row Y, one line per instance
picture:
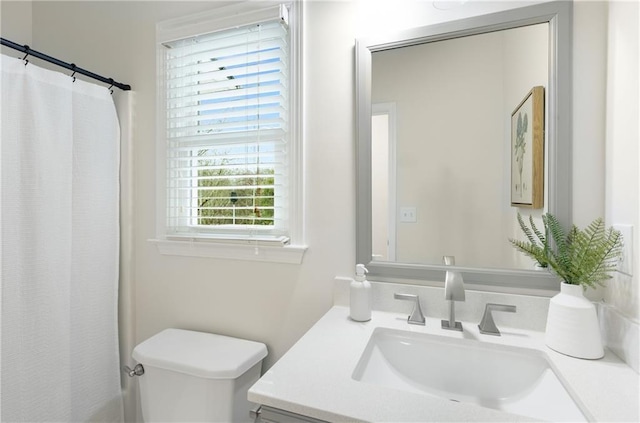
column 487, row 326
column 416, row 317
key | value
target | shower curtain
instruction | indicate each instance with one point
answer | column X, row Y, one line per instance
column 60, row 236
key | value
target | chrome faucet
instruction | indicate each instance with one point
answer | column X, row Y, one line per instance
column 416, row 317
column 487, row 325
column 453, row 291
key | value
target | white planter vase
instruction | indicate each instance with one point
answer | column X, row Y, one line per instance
column 572, row 324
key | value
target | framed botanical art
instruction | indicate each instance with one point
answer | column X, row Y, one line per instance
column 527, row 151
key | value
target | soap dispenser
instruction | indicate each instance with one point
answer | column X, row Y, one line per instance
column 360, row 296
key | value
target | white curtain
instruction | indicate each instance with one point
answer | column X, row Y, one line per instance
column 60, row 237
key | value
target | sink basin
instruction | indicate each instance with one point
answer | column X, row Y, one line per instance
column 515, row 380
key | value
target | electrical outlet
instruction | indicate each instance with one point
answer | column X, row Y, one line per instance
column 408, row 215
column 625, row 263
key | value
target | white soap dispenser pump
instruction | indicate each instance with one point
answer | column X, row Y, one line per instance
column 360, row 296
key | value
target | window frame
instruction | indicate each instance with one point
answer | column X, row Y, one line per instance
column 218, row 244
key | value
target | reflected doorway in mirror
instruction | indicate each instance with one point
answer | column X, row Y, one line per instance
column 383, row 181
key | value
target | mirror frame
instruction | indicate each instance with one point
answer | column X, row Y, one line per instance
column 559, row 16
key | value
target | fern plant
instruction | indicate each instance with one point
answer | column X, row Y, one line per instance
column 579, row 257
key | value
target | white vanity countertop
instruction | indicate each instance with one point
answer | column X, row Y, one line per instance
column 314, row 377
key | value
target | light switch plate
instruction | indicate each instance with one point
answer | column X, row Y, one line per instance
column 625, row 264
column 408, row 215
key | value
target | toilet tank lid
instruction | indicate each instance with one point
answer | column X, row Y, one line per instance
column 199, row 354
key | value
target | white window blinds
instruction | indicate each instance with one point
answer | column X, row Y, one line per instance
column 227, row 105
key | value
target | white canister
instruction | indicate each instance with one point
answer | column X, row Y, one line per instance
column 572, row 324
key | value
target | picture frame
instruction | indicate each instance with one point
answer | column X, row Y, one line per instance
column 527, row 151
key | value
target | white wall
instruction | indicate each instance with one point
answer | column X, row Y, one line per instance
column 622, row 319
column 589, row 103
column 15, row 24
column 622, row 138
column 277, row 303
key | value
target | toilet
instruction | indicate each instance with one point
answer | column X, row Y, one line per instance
column 197, row 377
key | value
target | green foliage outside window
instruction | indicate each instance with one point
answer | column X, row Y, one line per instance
column 239, row 195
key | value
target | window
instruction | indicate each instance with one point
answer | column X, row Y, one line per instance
column 229, row 119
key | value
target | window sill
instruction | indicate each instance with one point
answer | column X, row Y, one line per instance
column 290, row 254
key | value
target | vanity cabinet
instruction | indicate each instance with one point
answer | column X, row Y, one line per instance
column 267, row 414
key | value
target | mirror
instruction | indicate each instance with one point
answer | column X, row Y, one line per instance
column 446, row 159
column 434, row 107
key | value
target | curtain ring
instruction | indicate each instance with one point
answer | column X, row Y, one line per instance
column 73, row 68
column 111, row 86
column 26, row 50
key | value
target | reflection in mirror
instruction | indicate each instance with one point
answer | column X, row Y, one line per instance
column 383, row 176
column 453, row 101
column 434, row 155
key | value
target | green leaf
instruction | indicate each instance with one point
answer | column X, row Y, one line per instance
column 579, row 257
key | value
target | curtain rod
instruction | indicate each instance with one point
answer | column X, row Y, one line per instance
column 71, row 66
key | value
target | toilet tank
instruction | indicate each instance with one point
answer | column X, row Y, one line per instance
column 197, row 377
